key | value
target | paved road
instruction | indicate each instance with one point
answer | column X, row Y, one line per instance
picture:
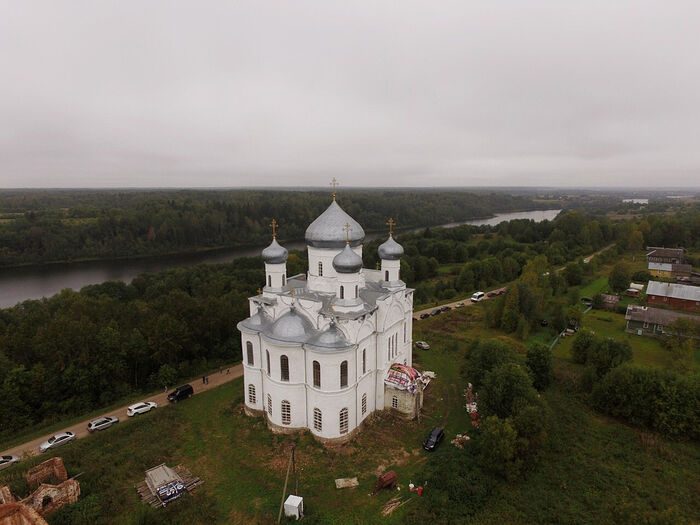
column 80, row 429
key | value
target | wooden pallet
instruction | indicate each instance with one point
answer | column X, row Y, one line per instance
column 191, row 483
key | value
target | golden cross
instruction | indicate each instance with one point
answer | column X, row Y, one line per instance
column 347, row 229
column 259, row 291
column 391, row 223
column 334, row 185
column 274, row 224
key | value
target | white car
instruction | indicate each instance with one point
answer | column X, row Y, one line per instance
column 477, row 296
column 57, row 440
column 102, row 423
column 8, row 461
column 422, row 345
column 141, row 408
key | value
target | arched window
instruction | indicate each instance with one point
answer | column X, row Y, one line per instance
column 269, row 405
column 318, row 420
column 364, row 360
column 344, row 421
column 394, row 402
column 317, row 374
column 343, row 374
column 251, row 395
column 386, row 275
column 284, row 279
column 342, row 292
column 320, row 269
column 364, row 404
column 286, row 412
column 249, row 352
column 269, row 281
column 284, row 368
column 267, row 352
column 356, row 292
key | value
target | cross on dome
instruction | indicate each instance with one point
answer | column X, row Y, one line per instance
column 391, row 223
column 347, row 229
column 274, row 225
column 334, row 185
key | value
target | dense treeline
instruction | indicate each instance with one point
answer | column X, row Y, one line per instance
column 44, row 226
column 77, row 351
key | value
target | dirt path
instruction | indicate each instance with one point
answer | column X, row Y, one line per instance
column 80, row 429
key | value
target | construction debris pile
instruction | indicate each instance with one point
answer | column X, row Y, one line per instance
column 460, row 440
column 471, row 405
column 164, row 485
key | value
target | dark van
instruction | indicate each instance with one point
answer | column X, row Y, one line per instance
column 180, row 393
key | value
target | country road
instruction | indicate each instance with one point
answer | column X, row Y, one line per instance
column 80, row 429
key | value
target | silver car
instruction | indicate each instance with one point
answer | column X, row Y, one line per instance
column 102, row 423
column 8, row 461
column 57, row 440
column 141, row 408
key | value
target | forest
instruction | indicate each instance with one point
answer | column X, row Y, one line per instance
column 62, row 225
column 77, row 351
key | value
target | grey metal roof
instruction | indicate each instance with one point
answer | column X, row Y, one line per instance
column 390, row 250
column 275, row 253
column 676, row 291
column 327, row 231
column 256, row 322
column 159, row 476
column 291, row 327
column 347, row 261
column 660, row 316
column 332, row 338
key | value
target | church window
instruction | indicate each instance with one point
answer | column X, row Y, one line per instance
column 364, row 360
column 286, row 412
column 267, row 352
column 251, row 394
column 356, row 291
column 269, row 405
column 344, row 421
column 343, row 374
column 386, row 275
column 342, row 292
column 320, row 269
column 249, row 352
column 284, row 368
column 284, row 279
column 364, row 404
column 394, row 402
column 269, row 281
column 317, row 374
column 318, row 420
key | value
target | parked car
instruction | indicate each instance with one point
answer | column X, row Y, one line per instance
column 433, row 440
column 477, row 296
column 180, row 393
column 422, row 345
column 8, row 461
column 57, row 440
column 102, row 423
column 544, row 322
column 459, row 305
column 141, row 408
column 424, row 316
column 492, row 293
column 445, row 308
column 437, row 311
column 502, row 291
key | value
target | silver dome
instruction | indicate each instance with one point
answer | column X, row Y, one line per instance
column 256, row 322
column 291, row 327
column 332, row 338
column 390, row 250
column 275, row 253
column 328, row 230
column 347, row 261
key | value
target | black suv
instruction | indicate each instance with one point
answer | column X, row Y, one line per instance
column 433, row 439
column 180, row 393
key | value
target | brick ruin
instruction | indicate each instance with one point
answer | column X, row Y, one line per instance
column 52, row 490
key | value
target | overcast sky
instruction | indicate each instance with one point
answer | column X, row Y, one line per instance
column 237, row 93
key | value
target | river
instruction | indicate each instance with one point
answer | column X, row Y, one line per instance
column 34, row 282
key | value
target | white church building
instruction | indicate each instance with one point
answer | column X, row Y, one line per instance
column 323, row 351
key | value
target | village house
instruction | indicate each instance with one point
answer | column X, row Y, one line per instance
column 667, row 263
column 674, row 296
column 643, row 320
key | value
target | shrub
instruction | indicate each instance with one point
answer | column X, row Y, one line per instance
column 506, row 390
column 579, row 350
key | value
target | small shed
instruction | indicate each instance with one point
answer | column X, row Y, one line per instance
column 294, row 507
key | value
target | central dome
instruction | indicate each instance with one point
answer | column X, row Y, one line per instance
column 291, row 327
column 328, row 230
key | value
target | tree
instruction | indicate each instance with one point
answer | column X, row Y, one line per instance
column 167, row 376
column 620, row 277
column 506, row 389
column 511, row 310
column 573, row 273
column 497, row 447
column 606, row 354
column 539, row 362
column 579, row 350
column 485, row 356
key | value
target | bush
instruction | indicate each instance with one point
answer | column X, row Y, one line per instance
column 579, row 350
column 661, row 400
column 498, row 446
column 506, row 390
